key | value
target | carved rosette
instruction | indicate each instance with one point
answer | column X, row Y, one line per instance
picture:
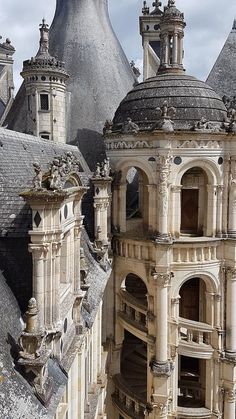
column 161, row 369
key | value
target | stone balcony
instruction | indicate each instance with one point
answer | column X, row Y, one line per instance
column 195, row 339
column 195, row 250
column 194, row 413
column 126, row 401
column 133, row 315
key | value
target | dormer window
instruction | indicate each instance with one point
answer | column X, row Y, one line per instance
column 44, row 102
column 45, row 135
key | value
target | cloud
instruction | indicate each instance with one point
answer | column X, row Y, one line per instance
column 207, row 28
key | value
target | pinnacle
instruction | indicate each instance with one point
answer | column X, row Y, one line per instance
column 234, row 25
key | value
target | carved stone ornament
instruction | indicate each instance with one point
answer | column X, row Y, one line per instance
column 34, row 356
column 145, row 9
column 231, row 273
column 108, row 127
column 161, row 279
column 161, row 369
column 127, row 145
column 130, row 127
column 164, row 115
column 212, row 144
column 204, row 125
column 103, row 170
column 59, row 172
column 230, row 395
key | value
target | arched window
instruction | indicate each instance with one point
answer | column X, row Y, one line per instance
column 194, row 202
column 136, row 199
column 193, row 300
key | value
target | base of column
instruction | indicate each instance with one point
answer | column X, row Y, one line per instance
column 163, row 238
column 231, row 234
column 230, row 355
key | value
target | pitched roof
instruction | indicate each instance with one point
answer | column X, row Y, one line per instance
column 222, row 77
column 18, row 152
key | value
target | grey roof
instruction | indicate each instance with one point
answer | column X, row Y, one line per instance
column 17, row 400
column 100, row 75
column 193, row 99
column 18, row 152
column 222, row 77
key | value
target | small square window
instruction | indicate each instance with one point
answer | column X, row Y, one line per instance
column 44, row 102
column 45, row 136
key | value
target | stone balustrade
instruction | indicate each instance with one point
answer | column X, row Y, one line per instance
column 195, row 337
column 195, row 252
column 126, row 400
column 133, row 308
column 134, row 249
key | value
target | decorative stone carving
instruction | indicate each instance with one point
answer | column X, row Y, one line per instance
column 34, row 356
column 135, row 70
column 213, row 144
column 130, row 127
column 37, row 180
column 103, row 170
column 145, row 9
column 121, row 145
column 108, row 127
column 164, row 115
column 161, row 369
column 164, row 172
column 230, row 395
column 161, row 409
column 231, row 273
column 161, row 279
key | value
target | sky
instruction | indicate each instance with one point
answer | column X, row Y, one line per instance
column 208, row 25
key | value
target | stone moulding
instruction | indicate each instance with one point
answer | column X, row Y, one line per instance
column 161, row 369
column 121, row 145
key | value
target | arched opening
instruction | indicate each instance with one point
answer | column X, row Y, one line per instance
column 136, row 199
column 193, row 300
column 134, row 365
column 194, row 202
column 133, row 296
column 192, row 382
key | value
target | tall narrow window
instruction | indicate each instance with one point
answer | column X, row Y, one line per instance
column 44, row 102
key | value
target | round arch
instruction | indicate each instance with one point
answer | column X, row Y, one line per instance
column 209, row 167
column 212, row 285
column 124, row 273
column 124, row 165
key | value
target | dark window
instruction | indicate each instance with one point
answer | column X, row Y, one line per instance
column 45, row 135
column 44, row 102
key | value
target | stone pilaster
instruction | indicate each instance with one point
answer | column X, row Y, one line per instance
column 231, row 312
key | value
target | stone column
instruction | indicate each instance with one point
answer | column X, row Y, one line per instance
column 101, row 183
column 39, row 253
column 231, row 312
column 232, row 199
column 181, row 48
column 175, row 48
column 176, row 209
column 122, row 207
column 211, row 210
column 161, row 366
column 230, row 399
column 220, row 190
column 164, row 172
column 56, row 254
column 165, row 51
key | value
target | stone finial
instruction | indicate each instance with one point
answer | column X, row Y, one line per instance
column 34, row 356
column 234, row 25
column 171, row 3
column 130, row 127
column 145, row 9
column 103, row 170
column 44, row 40
column 135, row 70
column 156, row 4
column 107, row 129
column 37, row 180
column 164, row 121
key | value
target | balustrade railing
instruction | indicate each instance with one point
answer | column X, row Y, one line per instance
column 133, row 249
column 201, row 252
column 196, row 332
column 133, row 308
column 126, row 401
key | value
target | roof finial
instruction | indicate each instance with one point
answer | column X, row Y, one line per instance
column 234, row 25
column 44, row 42
column 171, row 3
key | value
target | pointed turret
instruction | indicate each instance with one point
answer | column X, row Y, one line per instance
column 81, row 35
column 222, row 77
column 172, row 32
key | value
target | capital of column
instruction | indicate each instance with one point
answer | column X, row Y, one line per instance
column 56, row 247
column 161, row 369
column 230, row 395
column 162, row 279
column 231, row 273
column 39, row 250
column 161, row 409
column 176, row 188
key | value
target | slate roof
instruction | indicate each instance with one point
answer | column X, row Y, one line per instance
column 17, row 400
column 222, row 77
column 18, row 152
column 192, row 99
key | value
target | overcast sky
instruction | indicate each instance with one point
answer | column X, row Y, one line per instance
column 208, row 25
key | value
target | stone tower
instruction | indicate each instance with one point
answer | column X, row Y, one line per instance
column 149, row 24
column 45, row 88
column 173, row 285
column 81, row 35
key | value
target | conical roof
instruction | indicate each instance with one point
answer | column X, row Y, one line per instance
column 81, row 35
column 222, row 77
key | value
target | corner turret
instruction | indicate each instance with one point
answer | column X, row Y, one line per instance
column 45, row 83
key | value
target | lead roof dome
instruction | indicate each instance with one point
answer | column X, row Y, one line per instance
column 192, row 98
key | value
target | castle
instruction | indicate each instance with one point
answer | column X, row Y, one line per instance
column 118, row 225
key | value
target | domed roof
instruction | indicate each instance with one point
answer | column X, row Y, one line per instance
column 192, row 99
